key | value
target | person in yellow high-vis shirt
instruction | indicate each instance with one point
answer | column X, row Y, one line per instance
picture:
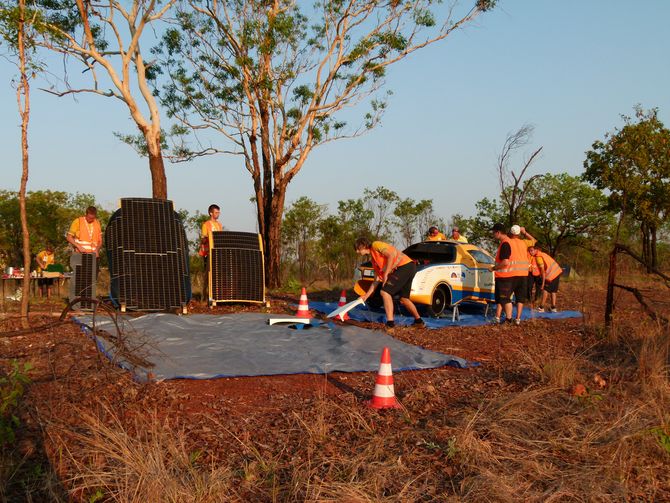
column 208, row 226
column 44, row 259
column 85, row 234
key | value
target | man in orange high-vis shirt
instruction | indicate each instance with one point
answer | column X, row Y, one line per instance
column 394, row 271
column 551, row 273
column 535, row 279
column 208, row 226
column 85, row 234
column 511, row 270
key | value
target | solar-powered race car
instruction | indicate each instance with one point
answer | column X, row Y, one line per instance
column 448, row 273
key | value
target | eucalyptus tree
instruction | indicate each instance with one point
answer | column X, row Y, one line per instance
column 20, row 26
column 411, row 217
column 106, row 39
column 300, row 231
column 633, row 164
column 563, row 210
column 276, row 79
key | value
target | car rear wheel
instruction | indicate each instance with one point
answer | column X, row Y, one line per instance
column 441, row 299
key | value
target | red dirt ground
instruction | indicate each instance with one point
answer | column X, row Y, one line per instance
column 70, row 376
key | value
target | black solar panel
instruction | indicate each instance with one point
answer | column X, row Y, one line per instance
column 236, row 267
column 148, row 256
column 83, row 280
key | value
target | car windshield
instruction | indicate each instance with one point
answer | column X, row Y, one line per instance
column 481, row 257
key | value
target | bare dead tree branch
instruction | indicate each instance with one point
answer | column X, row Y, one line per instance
column 625, row 249
column 645, row 307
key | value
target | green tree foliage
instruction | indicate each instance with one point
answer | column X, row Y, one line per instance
column 380, row 203
column 299, row 232
column 277, row 79
column 334, row 247
column 411, row 217
column 488, row 212
column 563, row 210
column 633, row 164
column 49, row 213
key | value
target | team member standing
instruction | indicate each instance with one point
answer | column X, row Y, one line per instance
column 511, row 271
column 394, row 271
column 44, row 259
column 551, row 273
column 457, row 236
column 434, row 234
column 208, row 226
column 85, row 234
column 535, row 279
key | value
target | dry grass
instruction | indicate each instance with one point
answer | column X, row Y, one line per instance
column 538, row 443
column 148, row 462
column 544, row 444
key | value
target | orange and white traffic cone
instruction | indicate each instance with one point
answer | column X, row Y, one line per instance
column 342, row 302
column 383, row 396
column 303, row 306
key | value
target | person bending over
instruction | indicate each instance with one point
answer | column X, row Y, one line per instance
column 394, row 271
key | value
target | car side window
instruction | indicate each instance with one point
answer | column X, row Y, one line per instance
column 481, row 257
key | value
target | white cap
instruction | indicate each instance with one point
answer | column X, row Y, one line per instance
column 515, row 230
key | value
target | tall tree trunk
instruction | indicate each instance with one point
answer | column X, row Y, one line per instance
column 23, row 97
column 611, row 279
column 156, row 166
column 646, row 246
column 273, row 253
column 273, row 240
column 654, row 255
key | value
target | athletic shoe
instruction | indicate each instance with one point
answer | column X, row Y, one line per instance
column 496, row 321
column 540, row 310
column 554, row 310
column 517, row 322
column 418, row 322
column 390, row 324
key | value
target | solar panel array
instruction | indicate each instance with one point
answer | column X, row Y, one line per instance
column 83, row 281
column 237, row 267
column 148, row 256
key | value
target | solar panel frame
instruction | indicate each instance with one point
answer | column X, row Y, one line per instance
column 148, row 256
column 84, row 279
column 236, row 267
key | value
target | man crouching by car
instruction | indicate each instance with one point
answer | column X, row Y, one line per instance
column 395, row 271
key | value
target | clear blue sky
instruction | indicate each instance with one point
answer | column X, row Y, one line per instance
column 570, row 68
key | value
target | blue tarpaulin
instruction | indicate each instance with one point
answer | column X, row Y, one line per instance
column 203, row 346
column 469, row 315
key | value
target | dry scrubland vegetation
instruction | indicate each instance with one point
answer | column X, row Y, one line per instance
column 519, row 428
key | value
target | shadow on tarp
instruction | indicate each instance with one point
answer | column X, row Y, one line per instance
column 470, row 315
column 204, row 346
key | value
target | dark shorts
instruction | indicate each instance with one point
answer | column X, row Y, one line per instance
column 552, row 286
column 45, row 282
column 505, row 287
column 400, row 281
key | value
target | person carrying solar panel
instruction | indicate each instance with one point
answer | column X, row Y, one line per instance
column 85, row 234
column 208, row 226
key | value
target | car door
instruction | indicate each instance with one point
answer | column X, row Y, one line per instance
column 485, row 277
